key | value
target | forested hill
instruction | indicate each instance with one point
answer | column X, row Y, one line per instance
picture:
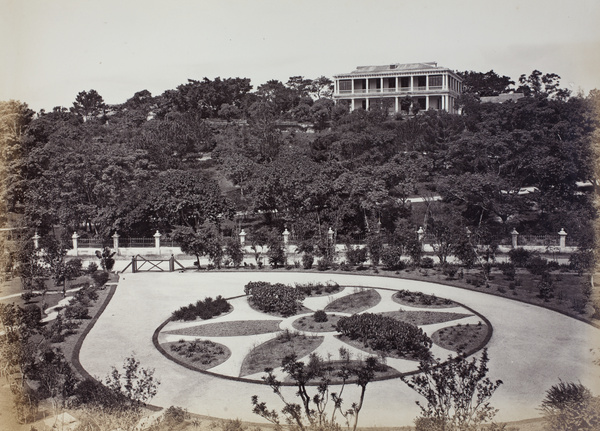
column 197, row 155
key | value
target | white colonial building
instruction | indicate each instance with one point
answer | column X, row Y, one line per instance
column 397, row 86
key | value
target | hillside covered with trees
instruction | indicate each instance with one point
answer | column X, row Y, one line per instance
column 214, row 156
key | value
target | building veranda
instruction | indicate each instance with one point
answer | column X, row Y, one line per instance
column 398, row 87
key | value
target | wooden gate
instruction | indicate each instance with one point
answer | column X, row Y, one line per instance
column 139, row 263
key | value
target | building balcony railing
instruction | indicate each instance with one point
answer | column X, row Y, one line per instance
column 392, row 90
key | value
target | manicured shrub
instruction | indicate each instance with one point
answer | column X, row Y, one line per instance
column 206, row 309
column 356, row 256
column 323, row 264
column 386, row 334
column 100, row 278
column 508, row 270
column 426, row 262
column 91, row 268
column 76, row 311
column 307, row 260
column 320, row 316
column 537, row 265
column 450, row 270
column 174, row 415
column 274, row 298
column 519, row 256
column 391, row 257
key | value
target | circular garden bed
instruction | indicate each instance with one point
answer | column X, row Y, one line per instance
column 393, row 334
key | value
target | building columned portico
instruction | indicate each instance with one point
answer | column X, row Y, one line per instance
column 399, row 86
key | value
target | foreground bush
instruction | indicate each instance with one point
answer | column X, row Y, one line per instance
column 274, row 298
column 386, row 334
column 206, row 309
column 571, row 406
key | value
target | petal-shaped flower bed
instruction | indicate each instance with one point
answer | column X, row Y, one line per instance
column 271, row 353
column 422, row 300
column 199, row 354
column 462, row 338
column 355, row 302
column 309, row 324
column 424, row 317
column 230, row 329
column 335, row 367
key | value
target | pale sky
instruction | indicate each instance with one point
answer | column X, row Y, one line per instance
column 50, row 50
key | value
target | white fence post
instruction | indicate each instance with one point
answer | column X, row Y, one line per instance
column 74, row 237
column 115, row 238
column 515, row 238
column 157, row 236
column 562, row 239
column 36, row 240
column 420, row 237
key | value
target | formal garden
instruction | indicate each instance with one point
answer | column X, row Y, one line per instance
column 345, row 324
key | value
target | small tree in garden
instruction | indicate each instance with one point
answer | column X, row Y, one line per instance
column 55, row 376
column 203, row 241
column 61, row 269
column 276, row 252
column 375, row 247
column 137, row 384
column 307, row 248
column 234, row 250
column 260, row 238
column 457, row 394
column 311, row 413
column 30, row 269
column 106, row 259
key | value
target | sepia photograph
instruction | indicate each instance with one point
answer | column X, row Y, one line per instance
column 277, row 215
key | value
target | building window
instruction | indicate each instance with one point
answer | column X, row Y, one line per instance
column 345, row 86
column 435, row 81
column 405, row 82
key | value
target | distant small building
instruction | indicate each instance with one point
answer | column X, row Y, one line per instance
column 399, row 87
column 502, row 98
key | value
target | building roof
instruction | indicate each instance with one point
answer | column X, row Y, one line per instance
column 395, row 68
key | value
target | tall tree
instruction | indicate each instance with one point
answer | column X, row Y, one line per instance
column 485, row 84
column 88, row 104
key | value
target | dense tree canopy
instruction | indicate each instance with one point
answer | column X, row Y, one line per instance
column 169, row 161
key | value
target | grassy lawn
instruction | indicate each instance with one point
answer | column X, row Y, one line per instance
column 356, row 302
column 271, row 353
column 198, row 354
column 424, row 317
column 309, row 324
column 462, row 338
column 230, row 329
